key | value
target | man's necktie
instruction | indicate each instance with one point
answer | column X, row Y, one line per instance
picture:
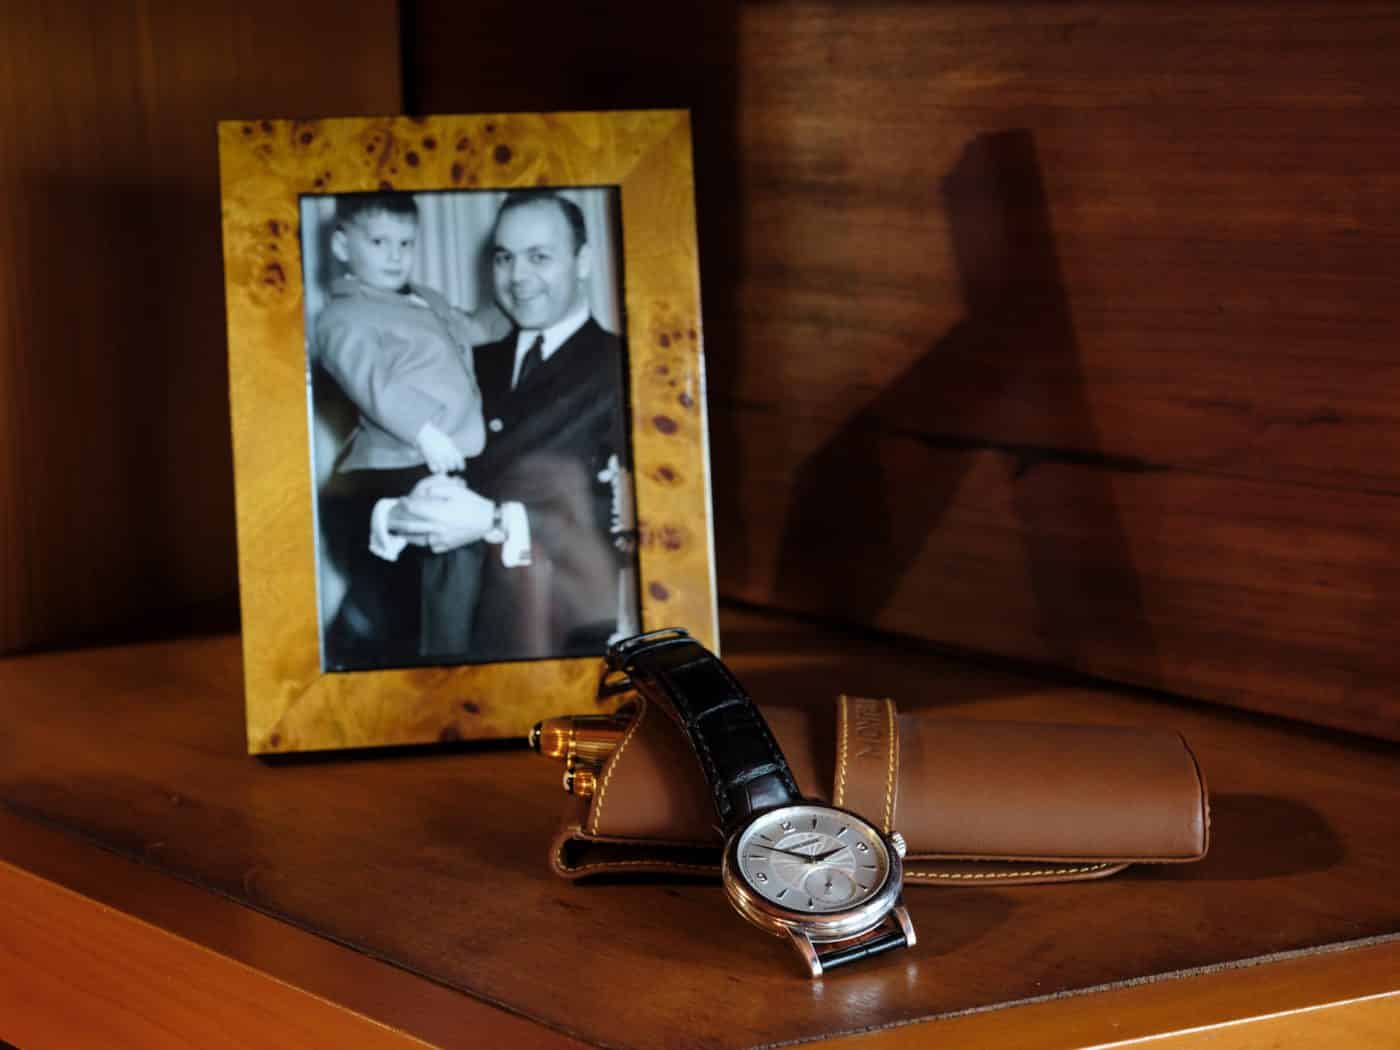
column 531, row 361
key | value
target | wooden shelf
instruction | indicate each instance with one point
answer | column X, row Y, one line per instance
column 160, row 887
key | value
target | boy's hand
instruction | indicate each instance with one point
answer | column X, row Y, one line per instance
column 439, row 451
column 438, row 487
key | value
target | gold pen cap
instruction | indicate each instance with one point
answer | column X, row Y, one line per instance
column 589, row 738
column 581, row 782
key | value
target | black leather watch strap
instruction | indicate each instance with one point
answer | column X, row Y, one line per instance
column 885, row 942
column 746, row 771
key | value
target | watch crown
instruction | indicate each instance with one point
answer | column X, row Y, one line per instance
column 898, row 841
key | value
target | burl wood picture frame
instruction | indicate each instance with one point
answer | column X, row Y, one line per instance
column 279, row 178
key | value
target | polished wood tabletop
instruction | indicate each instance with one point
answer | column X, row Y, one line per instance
column 124, row 779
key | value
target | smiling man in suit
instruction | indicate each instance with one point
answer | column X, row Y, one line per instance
column 550, row 490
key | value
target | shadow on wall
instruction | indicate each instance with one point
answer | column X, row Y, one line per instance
column 1011, row 366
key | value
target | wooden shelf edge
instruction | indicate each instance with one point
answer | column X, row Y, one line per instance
column 97, row 948
column 1345, row 989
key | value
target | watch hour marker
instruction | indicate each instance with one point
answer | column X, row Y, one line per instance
column 786, row 825
column 842, row 832
column 781, row 894
column 760, row 876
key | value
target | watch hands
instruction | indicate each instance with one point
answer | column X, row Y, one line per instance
column 808, row 857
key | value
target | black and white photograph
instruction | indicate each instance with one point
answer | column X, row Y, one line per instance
column 470, row 460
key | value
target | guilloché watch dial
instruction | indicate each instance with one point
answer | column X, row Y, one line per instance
column 813, row 859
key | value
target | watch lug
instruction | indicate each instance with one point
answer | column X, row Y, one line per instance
column 804, row 947
column 901, row 916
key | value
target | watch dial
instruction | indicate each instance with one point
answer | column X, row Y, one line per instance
column 813, row 859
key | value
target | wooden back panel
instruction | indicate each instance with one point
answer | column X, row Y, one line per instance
column 116, row 480
column 1060, row 332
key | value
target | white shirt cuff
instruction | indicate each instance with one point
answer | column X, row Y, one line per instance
column 381, row 541
column 515, row 551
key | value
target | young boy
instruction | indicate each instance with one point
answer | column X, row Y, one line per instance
column 400, row 352
column 403, row 355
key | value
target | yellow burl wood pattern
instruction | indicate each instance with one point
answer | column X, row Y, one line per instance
column 265, row 165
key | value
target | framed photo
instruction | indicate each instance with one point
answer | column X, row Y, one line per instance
column 468, row 412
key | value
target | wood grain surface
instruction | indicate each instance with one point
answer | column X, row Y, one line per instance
column 1325, row 1000
column 213, row 972
column 116, row 481
column 71, row 972
column 1057, row 331
column 436, row 862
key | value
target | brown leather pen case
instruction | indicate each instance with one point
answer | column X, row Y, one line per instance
column 977, row 802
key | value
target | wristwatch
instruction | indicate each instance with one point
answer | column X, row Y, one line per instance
column 825, row 878
column 497, row 532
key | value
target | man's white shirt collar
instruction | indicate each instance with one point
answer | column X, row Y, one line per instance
column 555, row 336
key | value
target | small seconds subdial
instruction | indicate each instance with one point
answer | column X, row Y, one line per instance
column 813, row 859
column 830, row 885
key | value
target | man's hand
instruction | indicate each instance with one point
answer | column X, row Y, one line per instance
column 441, row 514
column 439, row 451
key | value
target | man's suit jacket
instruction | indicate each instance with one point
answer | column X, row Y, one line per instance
column 546, row 443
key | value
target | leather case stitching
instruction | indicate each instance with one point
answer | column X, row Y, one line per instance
column 838, row 794
column 893, row 766
column 988, row 875
column 663, row 865
column 616, row 758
